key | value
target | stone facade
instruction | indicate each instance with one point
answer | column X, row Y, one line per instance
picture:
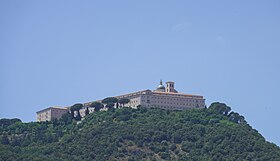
column 164, row 100
column 51, row 113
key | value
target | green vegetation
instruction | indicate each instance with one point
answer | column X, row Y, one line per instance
column 123, row 101
column 76, row 107
column 110, row 100
column 97, row 106
column 138, row 134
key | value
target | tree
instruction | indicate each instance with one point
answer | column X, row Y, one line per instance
column 110, row 100
column 76, row 107
column 242, row 120
column 78, row 117
column 110, row 105
column 66, row 118
column 220, row 108
column 72, row 110
column 86, row 111
column 124, row 101
column 97, row 106
column 7, row 122
column 15, row 141
column 5, row 139
column 235, row 117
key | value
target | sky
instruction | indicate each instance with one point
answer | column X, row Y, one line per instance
column 58, row 53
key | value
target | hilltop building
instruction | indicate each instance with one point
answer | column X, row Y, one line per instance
column 165, row 98
column 162, row 97
column 51, row 113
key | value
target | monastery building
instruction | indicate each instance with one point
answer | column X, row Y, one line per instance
column 162, row 97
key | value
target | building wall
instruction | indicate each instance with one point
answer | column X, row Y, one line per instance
column 44, row 115
column 172, row 101
column 134, row 101
column 82, row 111
column 135, row 98
column 50, row 113
column 57, row 113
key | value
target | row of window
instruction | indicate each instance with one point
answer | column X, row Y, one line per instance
column 171, row 85
column 177, row 103
column 170, row 107
column 133, row 101
column 175, row 99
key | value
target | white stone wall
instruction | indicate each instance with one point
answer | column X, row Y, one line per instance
column 134, row 101
column 50, row 113
column 44, row 115
column 171, row 102
column 56, row 113
column 166, row 101
column 82, row 111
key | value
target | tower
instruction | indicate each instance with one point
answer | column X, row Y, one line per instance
column 170, row 87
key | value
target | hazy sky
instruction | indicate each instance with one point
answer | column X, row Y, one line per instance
column 66, row 52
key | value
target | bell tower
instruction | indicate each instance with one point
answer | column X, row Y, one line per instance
column 170, row 87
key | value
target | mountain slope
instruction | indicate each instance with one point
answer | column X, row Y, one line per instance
column 142, row 134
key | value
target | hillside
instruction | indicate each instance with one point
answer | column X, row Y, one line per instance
column 138, row 134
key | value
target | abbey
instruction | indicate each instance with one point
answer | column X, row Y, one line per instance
column 162, row 97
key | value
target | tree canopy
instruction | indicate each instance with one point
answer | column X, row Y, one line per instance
column 110, row 100
column 124, row 101
column 110, row 105
column 138, row 134
column 76, row 108
column 97, row 106
column 7, row 122
column 220, row 108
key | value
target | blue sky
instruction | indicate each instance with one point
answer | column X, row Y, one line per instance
column 65, row 52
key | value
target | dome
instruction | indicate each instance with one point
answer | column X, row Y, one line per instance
column 161, row 87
